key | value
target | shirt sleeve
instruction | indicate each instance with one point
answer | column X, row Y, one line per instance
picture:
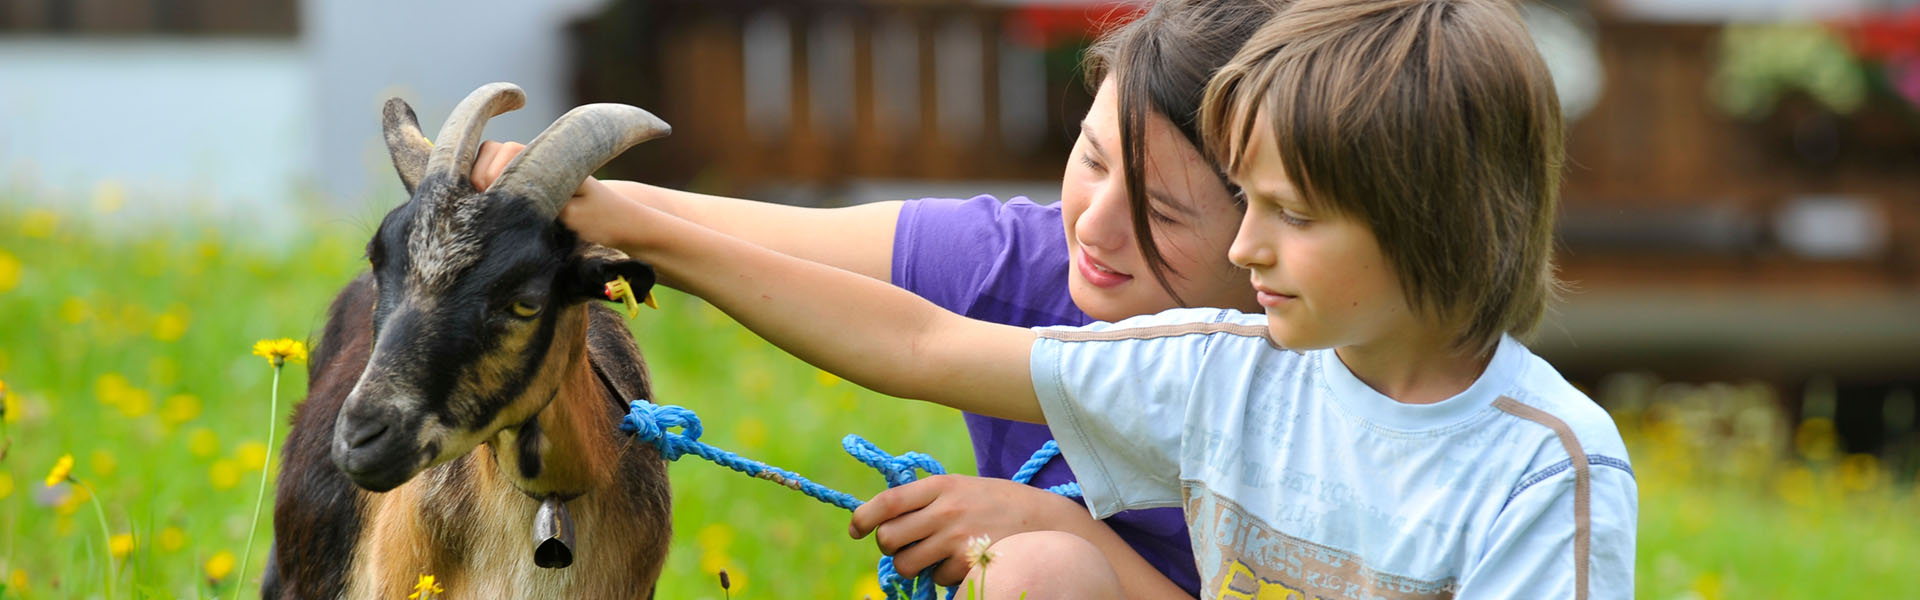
column 1531, row 550
column 1117, row 397
column 952, row 252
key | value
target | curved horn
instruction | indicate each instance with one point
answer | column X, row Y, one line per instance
column 576, row 145
column 459, row 139
column 408, row 146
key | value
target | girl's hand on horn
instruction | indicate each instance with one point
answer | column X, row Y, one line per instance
column 491, row 160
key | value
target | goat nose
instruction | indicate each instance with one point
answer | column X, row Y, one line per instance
column 365, row 433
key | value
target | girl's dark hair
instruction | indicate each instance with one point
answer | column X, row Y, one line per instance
column 1161, row 62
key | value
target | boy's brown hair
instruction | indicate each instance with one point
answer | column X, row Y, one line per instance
column 1432, row 121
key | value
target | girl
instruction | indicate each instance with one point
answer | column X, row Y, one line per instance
column 1147, row 219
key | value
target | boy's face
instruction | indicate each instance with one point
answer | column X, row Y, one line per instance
column 1320, row 276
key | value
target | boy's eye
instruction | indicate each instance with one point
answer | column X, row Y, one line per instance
column 1287, row 216
column 525, row 310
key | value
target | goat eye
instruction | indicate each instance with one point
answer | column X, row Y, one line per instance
column 525, row 310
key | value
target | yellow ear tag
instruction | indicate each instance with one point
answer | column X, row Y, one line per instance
column 649, row 301
column 619, row 290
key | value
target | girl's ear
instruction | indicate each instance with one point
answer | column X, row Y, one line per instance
column 592, row 273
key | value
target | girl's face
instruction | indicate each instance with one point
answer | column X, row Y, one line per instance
column 1193, row 221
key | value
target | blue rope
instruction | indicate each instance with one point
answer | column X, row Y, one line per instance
column 651, row 423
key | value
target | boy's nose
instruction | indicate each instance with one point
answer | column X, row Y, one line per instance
column 1251, row 248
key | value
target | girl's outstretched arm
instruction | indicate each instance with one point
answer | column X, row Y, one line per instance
column 874, row 334
column 856, row 238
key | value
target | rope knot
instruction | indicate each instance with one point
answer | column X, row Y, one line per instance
column 899, row 470
column 651, row 423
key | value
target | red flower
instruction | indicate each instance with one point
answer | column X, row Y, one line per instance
column 1049, row 26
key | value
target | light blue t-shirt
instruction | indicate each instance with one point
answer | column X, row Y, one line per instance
column 1296, row 477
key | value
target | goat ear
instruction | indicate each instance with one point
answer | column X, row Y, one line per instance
column 592, row 273
column 409, row 147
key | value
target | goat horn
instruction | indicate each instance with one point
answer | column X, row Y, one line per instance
column 408, row 146
column 576, row 145
column 459, row 140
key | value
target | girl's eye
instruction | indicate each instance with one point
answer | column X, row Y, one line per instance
column 1291, row 219
column 1160, row 217
column 1088, row 161
column 525, row 310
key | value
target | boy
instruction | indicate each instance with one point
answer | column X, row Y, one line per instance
column 1377, row 433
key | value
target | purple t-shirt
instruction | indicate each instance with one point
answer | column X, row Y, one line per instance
column 1007, row 263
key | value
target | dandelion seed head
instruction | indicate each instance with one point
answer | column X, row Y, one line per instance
column 979, row 551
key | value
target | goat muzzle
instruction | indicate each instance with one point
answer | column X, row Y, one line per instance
column 552, row 535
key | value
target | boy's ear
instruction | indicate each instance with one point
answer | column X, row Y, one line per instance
column 592, row 273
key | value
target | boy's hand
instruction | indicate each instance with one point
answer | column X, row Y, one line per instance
column 931, row 519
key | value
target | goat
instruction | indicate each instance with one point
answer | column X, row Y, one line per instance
column 464, row 394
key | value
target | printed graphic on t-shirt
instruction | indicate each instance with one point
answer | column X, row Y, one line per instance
column 1248, row 560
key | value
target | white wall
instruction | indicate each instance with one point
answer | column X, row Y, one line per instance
column 431, row 53
column 173, row 126
column 235, row 128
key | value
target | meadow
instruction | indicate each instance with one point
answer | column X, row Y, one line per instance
column 129, row 349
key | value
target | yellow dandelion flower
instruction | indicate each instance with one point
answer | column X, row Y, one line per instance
column 250, row 454
column 179, row 408
column 1816, row 439
column 73, row 310
column 1796, row 486
column 11, row 405
column 6, row 485
column 39, row 223
column 172, row 539
column 76, row 496
column 120, row 544
column 171, row 326
column 9, row 272
column 224, row 474
column 826, row 379
column 715, row 537
column 135, row 403
column 425, row 588
column 220, row 565
column 103, row 462
column 868, row 587
column 278, row 352
column 1859, row 472
column 752, row 433
column 111, row 388
column 714, row 561
column 202, row 442
column 18, row 580
column 109, row 197
column 62, row 470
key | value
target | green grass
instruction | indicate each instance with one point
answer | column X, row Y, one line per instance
column 132, row 354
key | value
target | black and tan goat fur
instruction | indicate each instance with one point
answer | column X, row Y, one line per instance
column 467, row 377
